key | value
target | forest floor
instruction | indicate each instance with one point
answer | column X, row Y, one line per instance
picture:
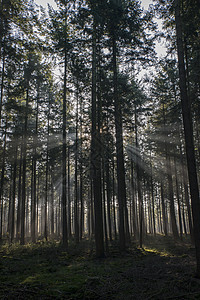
column 163, row 269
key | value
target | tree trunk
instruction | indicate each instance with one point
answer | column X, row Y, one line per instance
column 14, row 192
column 69, row 192
column 113, row 196
column 24, row 149
column 138, row 174
column 104, row 212
column 27, row 213
column 96, row 158
column 76, row 194
column 170, row 182
column 2, row 83
column 121, row 190
column 108, row 184
column 171, row 197
column 187, row 200
column 47, row 177
column 9, row 205
column 81, row 179
column 178, row 200
column 135, row 231
column 2, row 180
column 52, row 207
column 163, row 209
column 34, row 199
column 64, row 158
column 19, row 197
column 188, row 130
column 152, row 199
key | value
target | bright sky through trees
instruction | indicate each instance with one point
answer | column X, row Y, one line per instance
column 145, row 3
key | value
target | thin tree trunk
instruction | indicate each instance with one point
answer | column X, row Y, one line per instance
column 69, row 192
column 37, row 209
column 184, row 222
column 187, row 200
column 135, row 231
column 150, row 211
column 76, row 194
column 27, row 214
column 92, row 207
column 163, row 209
column 81, row 178
column 59, row 215
column 2, row 179
column 171, row 197
column 2, row 83
column 24, row 162
column 52, row 207
column 138, row 174
column 14, row 192
column 178, row 200
column 64, row 159
column 113, row 196
column 34, row 199
column 19, row 197
column 120, row 155
column 108, row 184
column 170, row 183
column 9, row 221
column 140, row 209
column 47, row 177
column 104, row 211
column 152, row 200
column 96, row 159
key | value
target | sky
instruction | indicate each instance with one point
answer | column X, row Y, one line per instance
column 145, row 3
column 45, row 2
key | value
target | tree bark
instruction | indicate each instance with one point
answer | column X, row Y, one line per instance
column 24, row 162
column 19, row 197
column 69, row 191
column 14, row 192
column 76, row 194
column 2, row 83
column 64, row 158
column 95, row 158
column 121, row 190
column 178, row 200
column 163, row 209
column 135, row 231
column 34, row 199
column 188, row 131
column 108, row 195
column 2, row 179
column 170, row 182
column 47, row 177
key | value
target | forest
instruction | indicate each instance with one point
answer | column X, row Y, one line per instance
column 99, row 150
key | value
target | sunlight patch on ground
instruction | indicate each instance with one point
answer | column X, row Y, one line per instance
column 157, row 252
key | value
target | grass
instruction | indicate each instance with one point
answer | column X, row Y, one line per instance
column 46, row 271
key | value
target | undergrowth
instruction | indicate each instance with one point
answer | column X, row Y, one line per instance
column 47, row 271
